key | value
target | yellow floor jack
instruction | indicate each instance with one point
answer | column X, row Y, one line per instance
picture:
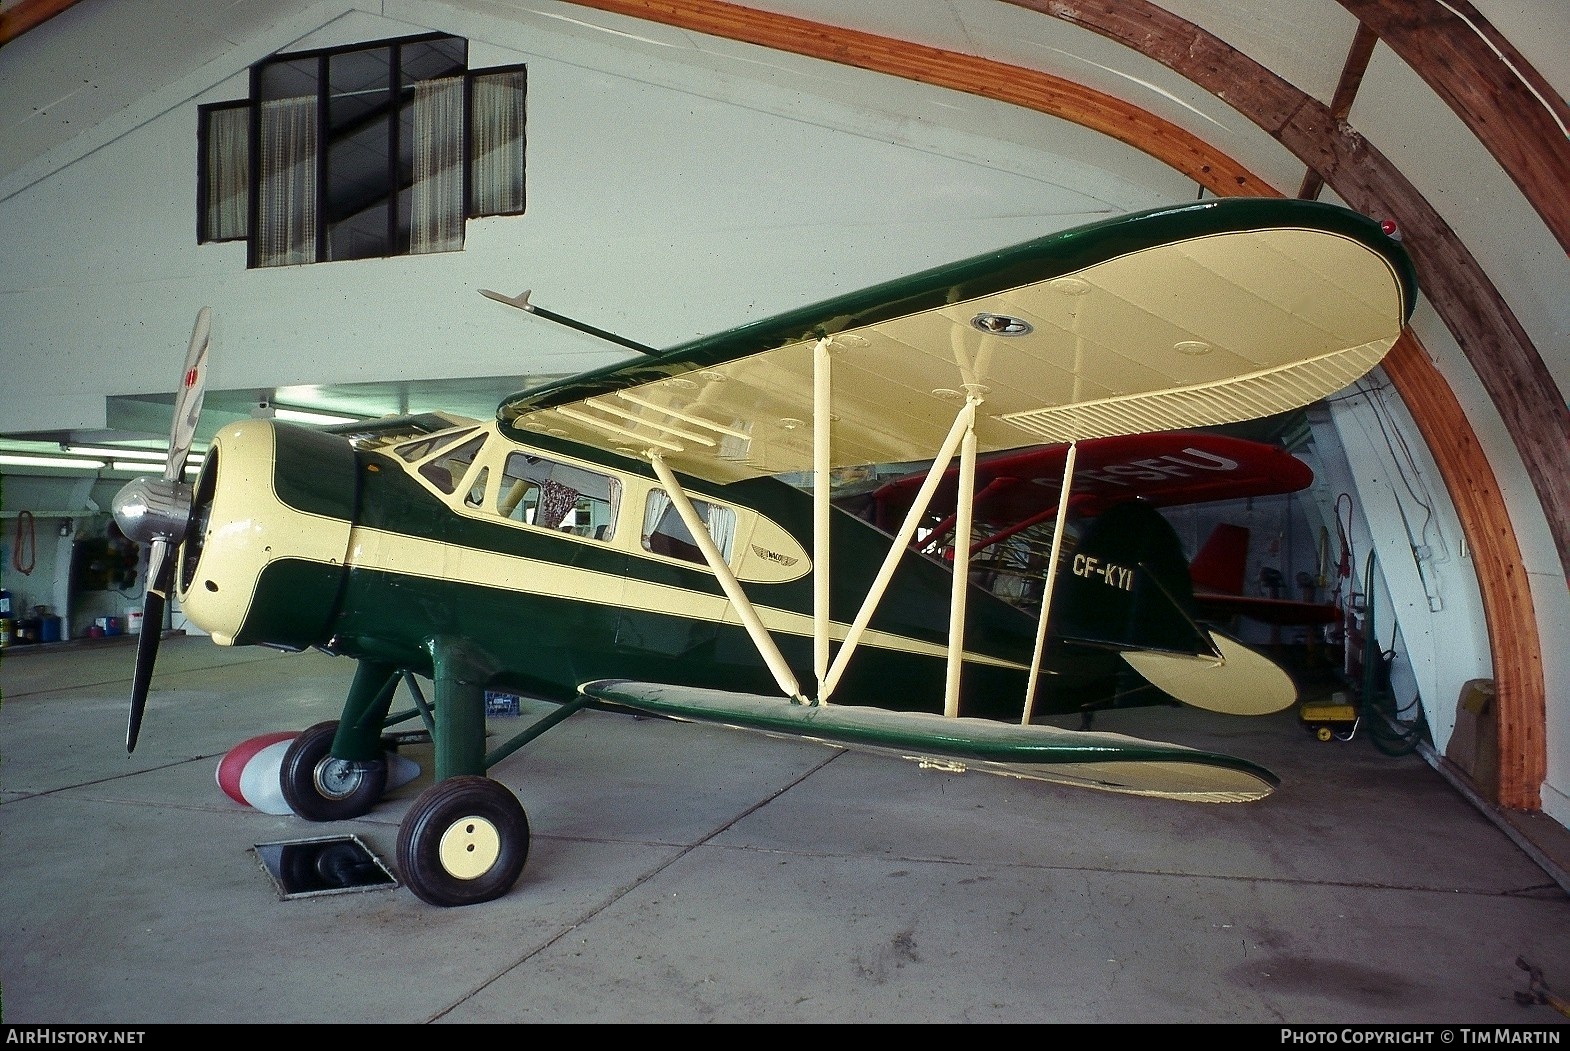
column 1395, row 731
column 1336, row 717
column 1330, row 718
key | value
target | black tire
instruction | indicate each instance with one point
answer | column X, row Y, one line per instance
column 463, row 841
column 320, row 788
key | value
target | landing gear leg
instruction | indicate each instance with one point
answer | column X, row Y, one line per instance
column 465, row 839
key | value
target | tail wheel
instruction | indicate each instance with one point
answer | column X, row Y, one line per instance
column 463, row 841
column 319, row 787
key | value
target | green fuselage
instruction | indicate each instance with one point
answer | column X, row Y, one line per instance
column 420, row 583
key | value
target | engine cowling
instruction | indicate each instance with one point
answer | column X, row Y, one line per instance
column 272, row 512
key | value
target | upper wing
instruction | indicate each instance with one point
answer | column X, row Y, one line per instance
column 389, row 430
column 1185, row 317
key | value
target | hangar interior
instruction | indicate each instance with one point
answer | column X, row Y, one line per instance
column 671, row 170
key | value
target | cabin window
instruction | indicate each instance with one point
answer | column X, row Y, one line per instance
column 446, row 470
column 361, row 152
column 420, row 448
column 664, row 532
column 476, row 497
column 552, row 495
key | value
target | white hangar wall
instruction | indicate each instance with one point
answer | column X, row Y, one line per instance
column 654, row 211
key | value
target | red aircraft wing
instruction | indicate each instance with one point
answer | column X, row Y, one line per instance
column 1168, row 469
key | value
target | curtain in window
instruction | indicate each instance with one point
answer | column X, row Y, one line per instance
column 436, row 205
column 653, row 511
column 286, row 223
column 228, row 173
column 614, row 514
column 722, row 527
column 497, row 167
column 556, row 503
column 660, row 518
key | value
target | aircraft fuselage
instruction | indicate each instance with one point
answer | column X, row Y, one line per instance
column 539, row 568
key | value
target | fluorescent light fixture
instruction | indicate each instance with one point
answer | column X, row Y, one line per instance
column 137, row 465
column 67, row 462
column 113, row 454
column 304, row 416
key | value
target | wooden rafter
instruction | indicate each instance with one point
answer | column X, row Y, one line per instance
column 1486, row 82
column 26, row 14
column 1352, row 71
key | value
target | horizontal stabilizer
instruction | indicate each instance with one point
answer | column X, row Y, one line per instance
column 1106, row 761
column 1241, row 681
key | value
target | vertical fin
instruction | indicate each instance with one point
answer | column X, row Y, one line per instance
column 1219, row 565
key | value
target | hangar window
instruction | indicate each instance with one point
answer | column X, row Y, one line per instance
column 362, row 152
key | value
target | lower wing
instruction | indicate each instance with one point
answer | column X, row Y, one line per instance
column 1105, row 761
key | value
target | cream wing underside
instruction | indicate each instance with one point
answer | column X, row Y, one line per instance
column 1197, row 332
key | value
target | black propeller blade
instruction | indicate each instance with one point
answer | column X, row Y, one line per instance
column 160, row 574
column 157, row 512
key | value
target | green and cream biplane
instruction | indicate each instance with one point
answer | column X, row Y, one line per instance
column 625, row 540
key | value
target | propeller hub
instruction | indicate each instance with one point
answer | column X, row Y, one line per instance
column 147, row 509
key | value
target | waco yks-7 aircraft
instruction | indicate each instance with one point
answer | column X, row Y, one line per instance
column 624, row 539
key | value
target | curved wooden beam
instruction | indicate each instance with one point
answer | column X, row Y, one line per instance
column 1327, row 147
column 1498, row 348
column 1517, row 381
column 26, row 14
column 1027, row 88
column 1486, row 82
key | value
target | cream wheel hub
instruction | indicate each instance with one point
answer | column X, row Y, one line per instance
column 469, row 847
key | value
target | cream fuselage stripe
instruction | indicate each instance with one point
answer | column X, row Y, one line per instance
column 385, row 551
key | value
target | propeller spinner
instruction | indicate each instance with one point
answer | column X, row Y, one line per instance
column 157, row 512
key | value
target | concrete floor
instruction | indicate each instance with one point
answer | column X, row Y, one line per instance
column 683, row 873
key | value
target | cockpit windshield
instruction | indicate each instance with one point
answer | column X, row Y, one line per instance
column 446, row 469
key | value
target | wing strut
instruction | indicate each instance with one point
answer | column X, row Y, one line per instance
column 738, row 598
column 961, row 436
column 962, row 426
column 962, row 516
column 822, row 398
column 1052, row 576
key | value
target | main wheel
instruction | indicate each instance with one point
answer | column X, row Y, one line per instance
column 463, row 841
column 320, row 788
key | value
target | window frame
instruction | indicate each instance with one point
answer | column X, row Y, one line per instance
column 615, row 498
column 205, row 175
column 509, row 112
column 705, row 506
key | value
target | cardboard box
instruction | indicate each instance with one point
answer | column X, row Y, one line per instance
column 1474, row 743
